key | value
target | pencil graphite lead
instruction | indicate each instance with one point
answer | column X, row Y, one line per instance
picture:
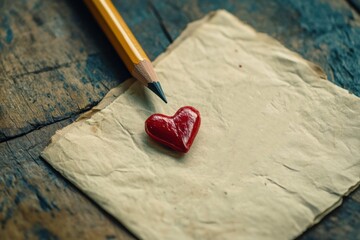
column 156, row 88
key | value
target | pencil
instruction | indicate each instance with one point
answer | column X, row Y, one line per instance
column 125, row 44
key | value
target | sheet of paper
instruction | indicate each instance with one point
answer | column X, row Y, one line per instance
column 277, row 149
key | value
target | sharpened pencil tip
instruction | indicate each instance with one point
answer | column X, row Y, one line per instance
column 156, row 88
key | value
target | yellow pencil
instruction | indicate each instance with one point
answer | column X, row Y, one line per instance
column 125, row 44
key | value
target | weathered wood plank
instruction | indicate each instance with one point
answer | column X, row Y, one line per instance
column 56, row 63
column 53, row 64
column 37, row 203
column 60, row 53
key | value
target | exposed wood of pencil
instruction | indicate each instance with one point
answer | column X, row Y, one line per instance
column 122, row 40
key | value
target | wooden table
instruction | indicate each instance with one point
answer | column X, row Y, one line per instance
column 55, row 64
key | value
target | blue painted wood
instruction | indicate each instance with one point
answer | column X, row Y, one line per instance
column 55, row 63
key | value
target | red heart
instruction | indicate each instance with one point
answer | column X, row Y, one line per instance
column 177, row 132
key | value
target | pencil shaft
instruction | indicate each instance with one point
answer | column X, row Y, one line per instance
column 125, row 44
column 117, row 32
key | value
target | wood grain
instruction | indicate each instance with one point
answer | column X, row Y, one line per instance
column 55, row 63
column 37, row 203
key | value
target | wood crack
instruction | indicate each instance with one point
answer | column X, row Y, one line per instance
column 47, row 69
column 43, row 70
column 161, row 22
column 39, row 126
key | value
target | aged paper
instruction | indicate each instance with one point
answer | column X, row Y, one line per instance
column 277, row 149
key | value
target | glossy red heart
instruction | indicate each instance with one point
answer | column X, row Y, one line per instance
column 177, row 132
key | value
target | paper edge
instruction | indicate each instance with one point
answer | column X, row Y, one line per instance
column 327, row 211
